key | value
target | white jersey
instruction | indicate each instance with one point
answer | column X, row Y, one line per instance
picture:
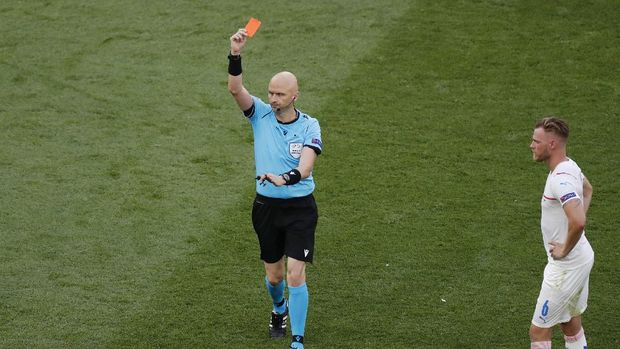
column 564, row 184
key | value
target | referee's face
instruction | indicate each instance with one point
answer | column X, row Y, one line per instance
column 279, row 98
column 282, row 91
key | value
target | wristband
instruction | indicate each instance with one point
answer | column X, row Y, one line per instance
column 291, row 177
column 234, row 65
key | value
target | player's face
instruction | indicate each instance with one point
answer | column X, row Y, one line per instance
column 540, row 145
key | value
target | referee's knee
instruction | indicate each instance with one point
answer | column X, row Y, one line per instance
column 274, row 279
column 295, row 275
column 295, row 280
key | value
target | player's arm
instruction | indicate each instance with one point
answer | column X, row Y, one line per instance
column 302, row 171
column 575, row 212
column 587, row 194
column 235, row 78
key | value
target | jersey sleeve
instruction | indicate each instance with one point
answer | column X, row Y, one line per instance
column 564, row 187
column 313, row 137
column 258, row 109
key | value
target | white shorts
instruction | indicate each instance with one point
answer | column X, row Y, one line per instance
column 563, row 295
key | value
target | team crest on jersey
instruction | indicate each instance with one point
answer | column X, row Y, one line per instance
column 295, row 149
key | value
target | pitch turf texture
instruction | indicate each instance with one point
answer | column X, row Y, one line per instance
column 127, row 171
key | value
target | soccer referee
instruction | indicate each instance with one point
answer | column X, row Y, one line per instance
column 287, row 142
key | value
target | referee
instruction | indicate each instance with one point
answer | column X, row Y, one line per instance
column 284, row 214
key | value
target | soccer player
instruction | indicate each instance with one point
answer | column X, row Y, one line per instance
column 565, row 201
column 287, row 142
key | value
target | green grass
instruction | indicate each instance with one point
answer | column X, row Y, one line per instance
column 126, row 169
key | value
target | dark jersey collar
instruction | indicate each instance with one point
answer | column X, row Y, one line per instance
column 292, row 121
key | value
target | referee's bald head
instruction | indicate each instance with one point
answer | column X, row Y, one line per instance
column 286, row 80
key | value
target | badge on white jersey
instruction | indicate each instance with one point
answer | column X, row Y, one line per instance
column 295, row 149
column 567, row 197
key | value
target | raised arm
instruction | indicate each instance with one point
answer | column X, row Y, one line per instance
column 235, row 78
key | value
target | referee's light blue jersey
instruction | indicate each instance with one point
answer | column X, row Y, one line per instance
column 277, row 148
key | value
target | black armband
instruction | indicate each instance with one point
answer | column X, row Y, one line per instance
column 234, row 65
column 291, row 177
column 249, row 112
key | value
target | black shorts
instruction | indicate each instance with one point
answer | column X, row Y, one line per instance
column 285, row 227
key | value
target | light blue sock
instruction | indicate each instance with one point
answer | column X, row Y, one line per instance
column 277, row 295
column 298, row 308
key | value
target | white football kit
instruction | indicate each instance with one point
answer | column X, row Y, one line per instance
column 564, row 290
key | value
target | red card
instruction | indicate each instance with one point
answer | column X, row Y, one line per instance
column 252, row 26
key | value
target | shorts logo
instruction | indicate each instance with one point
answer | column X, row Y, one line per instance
column 295, row 149
column 568, row 196
column 306, row 253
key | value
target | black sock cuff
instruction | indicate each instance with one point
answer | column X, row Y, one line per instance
column 299, row 339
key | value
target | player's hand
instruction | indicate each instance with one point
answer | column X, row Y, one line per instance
column 557, row 250
column 237, row 41
column 276, row 180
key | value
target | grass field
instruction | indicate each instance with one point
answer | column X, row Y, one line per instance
column 126, row 169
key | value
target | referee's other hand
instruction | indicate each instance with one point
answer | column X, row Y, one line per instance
column 270, row 177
